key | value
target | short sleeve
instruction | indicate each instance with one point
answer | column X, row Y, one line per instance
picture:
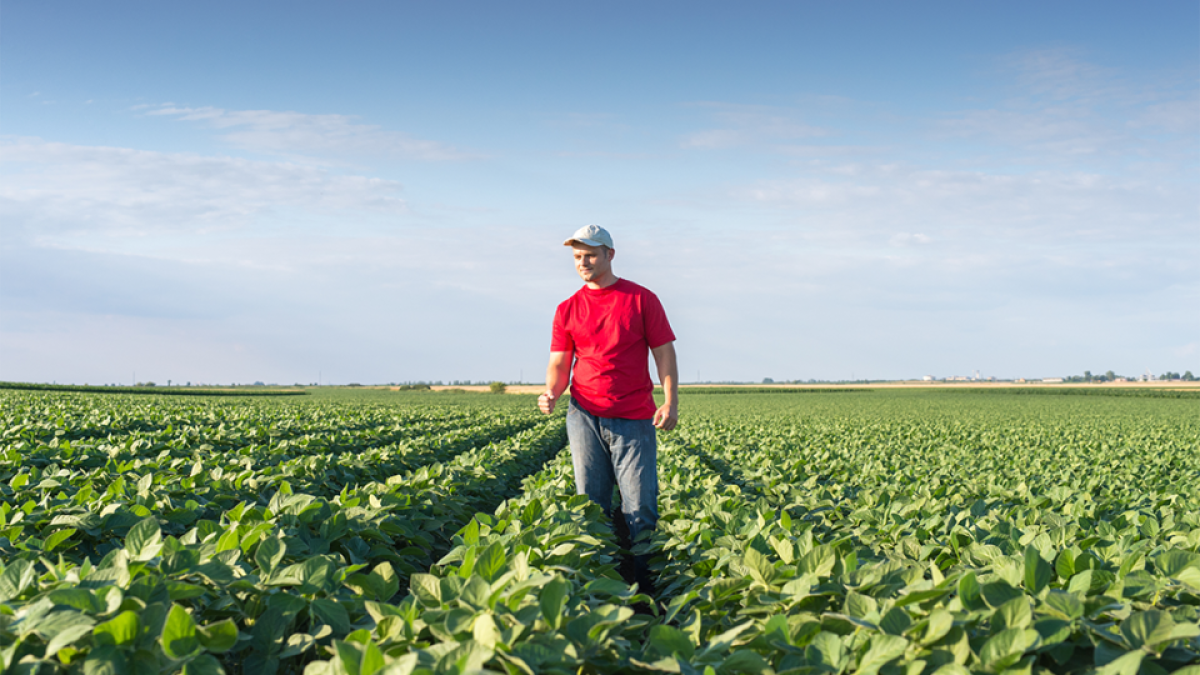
column 654, row 317
column 560, row 338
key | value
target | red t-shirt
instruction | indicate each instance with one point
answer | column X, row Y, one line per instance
column 611, row 331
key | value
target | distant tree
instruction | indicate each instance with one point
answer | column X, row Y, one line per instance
column 497, row 387
column 1087, row 376
column 1188, row 377
column 1110, row 376
column 767, row 380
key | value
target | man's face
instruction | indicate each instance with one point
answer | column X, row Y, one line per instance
column 592, row 262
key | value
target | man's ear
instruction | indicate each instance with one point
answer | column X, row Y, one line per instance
column 612, row 252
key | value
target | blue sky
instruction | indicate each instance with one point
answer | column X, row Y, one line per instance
column 376, row 192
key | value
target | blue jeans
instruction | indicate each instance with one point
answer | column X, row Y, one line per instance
column 611, row 451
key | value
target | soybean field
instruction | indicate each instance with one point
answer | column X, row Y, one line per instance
column 377, row 532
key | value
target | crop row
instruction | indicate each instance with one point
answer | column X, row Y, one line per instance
column 531, row 589
column 840, row 549
column 155, row 559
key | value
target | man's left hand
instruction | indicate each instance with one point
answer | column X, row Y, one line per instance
column 666, row 417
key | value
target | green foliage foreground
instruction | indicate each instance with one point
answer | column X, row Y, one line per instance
column 402, row 532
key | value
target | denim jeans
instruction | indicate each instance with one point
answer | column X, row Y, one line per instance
column 611, row 451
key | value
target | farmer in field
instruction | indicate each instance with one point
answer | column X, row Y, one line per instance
column 606, row 329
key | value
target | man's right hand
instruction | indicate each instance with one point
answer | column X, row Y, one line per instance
column 546, row 402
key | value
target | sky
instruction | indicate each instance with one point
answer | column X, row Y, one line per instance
column 378, row 192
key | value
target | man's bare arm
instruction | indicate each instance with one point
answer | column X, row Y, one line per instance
column 558, row 376
column 667, row 415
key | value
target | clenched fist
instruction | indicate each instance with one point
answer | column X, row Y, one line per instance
column 546, row 402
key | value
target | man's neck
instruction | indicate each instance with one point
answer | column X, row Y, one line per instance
column 604, row 282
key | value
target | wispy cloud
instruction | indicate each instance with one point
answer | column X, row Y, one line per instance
column 743, row 125
column 1178, row 117
column 861, row 203
column 55, row 190
column 1060, row 131
column 1062, row 74
column 294, row 134
column 1060, row 108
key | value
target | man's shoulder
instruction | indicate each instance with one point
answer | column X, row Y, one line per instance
column 634, row 288
column 572, row 298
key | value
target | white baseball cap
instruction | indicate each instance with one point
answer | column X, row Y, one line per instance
column 592, row 235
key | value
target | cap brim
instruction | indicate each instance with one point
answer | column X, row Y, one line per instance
column 586, row 242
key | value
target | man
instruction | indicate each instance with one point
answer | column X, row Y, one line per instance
column 606, row 329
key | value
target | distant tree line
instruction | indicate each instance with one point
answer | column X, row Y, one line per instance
column 1110, row 376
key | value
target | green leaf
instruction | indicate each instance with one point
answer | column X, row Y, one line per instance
column 144, row 540
column 372, row 659
column 826, row 651
column 205, row 664
column 819, row 562
column 1052, row 631
column 999, row 592
column 179, row 639
column 219, row 637
column 896, row 621
column 744, row 661
column 315, row 575
column 1129, row 664
column 270, row 554
column 1172, row 563
column 1013, row 614
column 1004, row 648
column 82, row 599
column 1038, row 572
column 1081, row 583
column 15, row 579
column 57, row 538
column 427, row 589
column 861, row 606
column 1147, row 629
column 1064, row 565
column 552, row 599
column 970, row 592
column 349, row 656
column 179, row 590
column 670, row 641
column 403, row 665
column 459, row 620
column 332, row 613
column 470, row 533
column 387, row 585
column 485, row 631
column 120, row 630
column 533, row 512
column 1065, row 604
column 476, row 593
column 883, row 648
column 940, row 623
column 69, row 634
column 491, row 562
column 760, row 567
column 1190, row 576
column 105, row 660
